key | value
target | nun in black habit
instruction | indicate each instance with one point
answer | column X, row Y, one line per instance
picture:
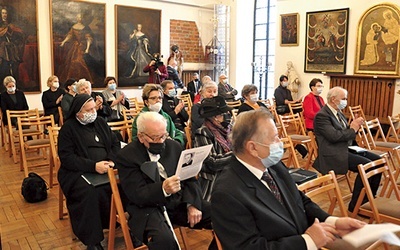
column 86, row 144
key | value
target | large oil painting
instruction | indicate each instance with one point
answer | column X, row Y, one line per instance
column 78, row 35
column 326, row 41
column 138, row 38
column 378, row 41
column 19, row 55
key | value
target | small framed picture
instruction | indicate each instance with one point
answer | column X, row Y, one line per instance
column 290, row 29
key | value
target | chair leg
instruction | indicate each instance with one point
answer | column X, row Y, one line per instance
column 182, row 231
column 113, row 217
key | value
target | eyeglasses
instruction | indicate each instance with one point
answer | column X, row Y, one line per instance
column 155, row 98
column 157, row 138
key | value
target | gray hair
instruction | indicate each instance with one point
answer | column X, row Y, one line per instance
column 205, row 79
column 83, row 82
column 151, row 117
column 335, row 91
column 209, row 84
column 8, row 79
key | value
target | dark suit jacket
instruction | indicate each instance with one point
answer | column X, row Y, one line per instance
column 146, row 196
column 333, row 141
column 178, row 119
column 246, row 215
column 222, row 91
column 192, row 89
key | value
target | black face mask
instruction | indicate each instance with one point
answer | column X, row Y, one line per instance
column 227, row 120
column 196, row 80
column 156, row 148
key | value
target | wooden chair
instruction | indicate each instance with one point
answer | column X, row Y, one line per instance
column 123, row 127
column 325, row 184
column 117, row 214
column 188, row 133
column 136, row 105
column 290, row 152
column 356, row 111
column 3, row 132
column 382, row 208
column 234, row 104
column 393, row 134
column 12, row 132
column 54, row 159
column 61, row 115
column 129, row 114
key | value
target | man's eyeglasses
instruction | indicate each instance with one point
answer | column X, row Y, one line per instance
column 155, row 98
column 157, row 138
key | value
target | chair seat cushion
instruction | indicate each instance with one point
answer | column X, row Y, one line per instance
column 386, row 206
column 303, row 138
column 37, row 142
column 387, row 144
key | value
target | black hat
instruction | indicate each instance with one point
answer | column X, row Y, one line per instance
column 210, row 107
column 77, row 104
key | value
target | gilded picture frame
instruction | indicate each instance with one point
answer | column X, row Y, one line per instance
column 326, row 41
column 78, row 40
column 19, row 45
column 137, row 39
column 378, row 45
column 289, row 29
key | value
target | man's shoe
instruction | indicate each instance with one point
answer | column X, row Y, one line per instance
column 95, row 247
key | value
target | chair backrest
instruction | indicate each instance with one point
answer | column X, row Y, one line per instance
column 187, row 100
column 369, row 138
column 325, row 184
column 129, row 114
column 124, row 127
column 356, row 111
column 291, row 154
column 292, row 120
column 38, row 123
column 393, row 133
column 369, row 170
column 295, row 107
column 136, row 105
column 61, row 115
column 234, row 104
column 117, row 211
column 55, row 162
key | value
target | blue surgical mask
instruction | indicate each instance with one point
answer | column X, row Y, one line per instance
column 342, row 104
column 172, row 92
column 275, row 154
column 112, row 86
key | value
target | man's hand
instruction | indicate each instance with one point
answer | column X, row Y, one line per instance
column 172, row 184
column 321, row 233
column 179, row 107
column 194, row 215
column 357, row 123
column 102, row 167
column 99, row 102
column 345, row 225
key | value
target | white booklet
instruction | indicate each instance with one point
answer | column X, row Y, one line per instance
column 373, row 232
column 191, row 161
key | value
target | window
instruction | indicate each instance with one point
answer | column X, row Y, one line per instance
column 264, row 46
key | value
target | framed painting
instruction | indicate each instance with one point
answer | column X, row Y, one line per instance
column 326, row 41
column 289, row 29
column 378, row 41
column 19, row 55
column 78, row 40
column 138, row 38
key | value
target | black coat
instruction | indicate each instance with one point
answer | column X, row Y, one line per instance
column 8, row 103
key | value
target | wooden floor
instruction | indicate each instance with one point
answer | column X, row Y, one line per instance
column 36, row 226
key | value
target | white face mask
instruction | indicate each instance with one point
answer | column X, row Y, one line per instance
column 342, row 104
column 254, row 98
column 155, row 107
column 56, row 85
column 285, row 84
column 87, row 118
column 172, row 92
column 11, row 90
column 225, row 81
column 319, row 90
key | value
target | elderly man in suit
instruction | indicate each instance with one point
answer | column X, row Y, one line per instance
column 225, row 89
column 333, row 136
column 194, row 86
column 256, row 204
column 147, row 169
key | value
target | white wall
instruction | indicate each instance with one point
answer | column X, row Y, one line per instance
column 296, row 54
column 199, row 11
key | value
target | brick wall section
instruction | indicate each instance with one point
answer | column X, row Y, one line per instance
column 186, row 35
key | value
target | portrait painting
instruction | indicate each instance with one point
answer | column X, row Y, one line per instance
column 78, row 39
column 289, row 29
column 326, row 41
column 378, row 41
column 19, row 55
column 138, row 38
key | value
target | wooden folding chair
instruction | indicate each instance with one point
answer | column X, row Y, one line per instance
column 382, row 208
column 61, row 116
column 356, row 111
column 54, row 159
column 37, row 142
column 393, row 134
column 234, row 104
column 290, row 153
column 329, row 185
column 12, row 131
column 136, row 105
column 123, row 127
column 187, row 100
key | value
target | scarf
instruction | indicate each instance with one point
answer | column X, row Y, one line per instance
column 220, row 134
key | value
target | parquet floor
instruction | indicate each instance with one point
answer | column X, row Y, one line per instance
column 36, row 226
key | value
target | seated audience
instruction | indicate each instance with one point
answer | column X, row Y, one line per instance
column 215, row 131
column 250, row 96
column 51, row 98
column 225, row 89
column 12, row 99
column 194, row 86
column 147, row 169
column 103, row 108
column 86, row 145
column 255, row 202
column 312, row 103
column 174, row 107
column 333, row 136
column 115, row 98
column 283, row 96
column 208, row 90
column 152, row 96
column 70, row 87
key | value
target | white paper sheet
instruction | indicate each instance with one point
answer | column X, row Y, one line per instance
column 373, row 232
column 191, row 161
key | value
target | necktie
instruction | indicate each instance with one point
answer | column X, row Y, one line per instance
column 162, row 171
column 319, row 101
column 342, row 120
column 227, row 87
column 272, row 185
